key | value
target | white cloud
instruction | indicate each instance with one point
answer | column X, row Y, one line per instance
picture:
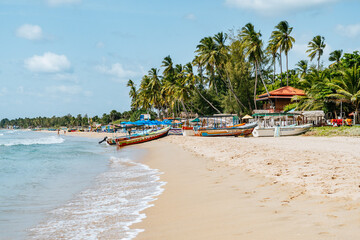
column 190, row 16
column 117, row 70
column 55, row 3
column 351, row 30
column 48, row 63
column 30, row 32
column 272, row 7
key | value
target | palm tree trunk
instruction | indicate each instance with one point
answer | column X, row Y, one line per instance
column 255, row 86
column 318, row 63
column 262, row 80
column 287, row 69
column 280, row 68
column 274, row 69
column 198, row 91
column 183, row 105
column 228, row 82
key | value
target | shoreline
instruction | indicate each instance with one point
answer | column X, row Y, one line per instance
column 253, row 188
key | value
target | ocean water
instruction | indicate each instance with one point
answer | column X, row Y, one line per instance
column 60, row 187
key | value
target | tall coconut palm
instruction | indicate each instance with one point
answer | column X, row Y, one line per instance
column 192, row 81
column 335, row 56
column 132, row 92
column 347, row 87
column 206, row 51
column 316, row 48
column 272, row 51
column 254, row 52
column 281, row 37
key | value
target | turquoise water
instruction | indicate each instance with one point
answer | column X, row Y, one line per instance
column 72, row 188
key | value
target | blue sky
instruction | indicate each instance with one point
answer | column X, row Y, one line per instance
column 75, row 56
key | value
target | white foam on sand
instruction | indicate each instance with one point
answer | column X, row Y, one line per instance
column 109, row 208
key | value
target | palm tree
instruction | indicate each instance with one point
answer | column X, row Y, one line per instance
column 316, row 47
column 192, row 81
column 302, row 67
column 335, row 56
column 272, row 51
column 206, row 51
column 347, row 87
column 132, row 93
column 282, row 39
column 254, row 51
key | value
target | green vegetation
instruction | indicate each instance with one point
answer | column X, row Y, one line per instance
column 113, row 117
column 334, row 131
column 224, row 76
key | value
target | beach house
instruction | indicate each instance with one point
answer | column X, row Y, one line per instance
column 279, row 97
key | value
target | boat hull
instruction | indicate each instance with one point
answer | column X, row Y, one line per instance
column 142, row 139
column 244, row 130
column 282, row 131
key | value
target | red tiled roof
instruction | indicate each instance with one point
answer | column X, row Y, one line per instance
column 284, row 91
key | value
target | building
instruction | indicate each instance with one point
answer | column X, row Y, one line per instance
column 280, row 98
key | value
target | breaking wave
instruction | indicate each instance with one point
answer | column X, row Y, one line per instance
column 29, row 141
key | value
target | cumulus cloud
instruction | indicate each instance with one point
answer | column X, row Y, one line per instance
column 351, row 30
column 55, row 3
column 117, row 70
column 271, row 7
column 30, row 32
column 48, row 63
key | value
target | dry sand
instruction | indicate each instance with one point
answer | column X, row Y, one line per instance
column 255, row 188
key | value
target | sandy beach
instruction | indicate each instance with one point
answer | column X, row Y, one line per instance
column 253, row 188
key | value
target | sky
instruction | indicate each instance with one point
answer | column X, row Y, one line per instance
column 61, row 57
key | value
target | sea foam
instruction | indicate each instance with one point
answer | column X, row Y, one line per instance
column 109, row 208
column 34, row 141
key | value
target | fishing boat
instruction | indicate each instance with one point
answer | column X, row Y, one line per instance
column 152, row 136
column 237, row 130
column 113, row 141
column 278, row 131
column 187, row 131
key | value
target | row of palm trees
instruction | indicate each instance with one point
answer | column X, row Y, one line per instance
column 226, row 70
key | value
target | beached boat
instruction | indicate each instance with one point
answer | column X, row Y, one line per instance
column 113, row 141
column 239, row 130
column 188, row 131
column 278, row 131
column 152, row 136
column 175, row 131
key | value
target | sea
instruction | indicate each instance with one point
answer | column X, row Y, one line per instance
column 65, row 187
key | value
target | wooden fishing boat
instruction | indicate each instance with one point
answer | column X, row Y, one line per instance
column 291, row 130
column 187, row 131
column 113, row 141
column 175, row 131
column 152, row 136
column 241, row 130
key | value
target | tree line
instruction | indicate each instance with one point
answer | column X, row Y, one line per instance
column 229, row 70
column 72, row 121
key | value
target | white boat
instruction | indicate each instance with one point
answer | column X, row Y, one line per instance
column 278, row 131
